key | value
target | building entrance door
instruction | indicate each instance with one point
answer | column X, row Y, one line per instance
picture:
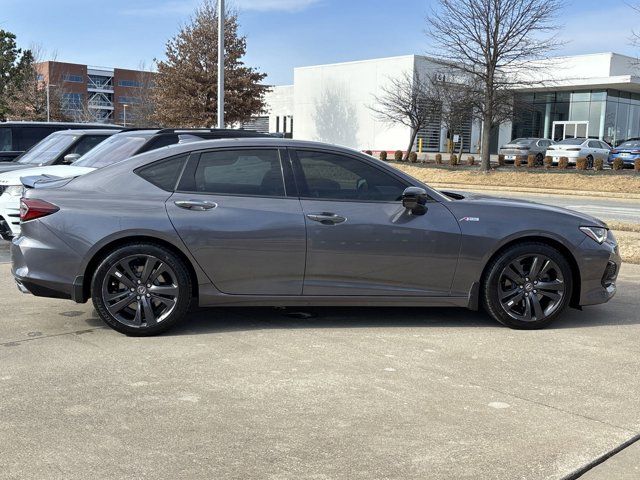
column 562, row 130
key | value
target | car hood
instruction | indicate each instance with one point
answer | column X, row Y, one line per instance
column 10, row 166
column 13, row 177
column 481, row 199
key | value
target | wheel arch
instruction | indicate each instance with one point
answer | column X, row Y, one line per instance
column 112, row 245
column 552, row 242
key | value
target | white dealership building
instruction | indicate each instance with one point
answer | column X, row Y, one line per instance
column 595, row 95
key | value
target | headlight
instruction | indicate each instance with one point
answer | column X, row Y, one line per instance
column 14, row 190
column 599, row 234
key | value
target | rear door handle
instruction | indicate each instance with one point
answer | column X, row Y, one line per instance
column 196, row 205
column 326, row 218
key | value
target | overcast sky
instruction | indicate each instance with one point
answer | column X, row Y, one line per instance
column 281, row 34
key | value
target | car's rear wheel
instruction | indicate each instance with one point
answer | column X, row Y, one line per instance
column 589, row 162
column 527, row 286
column 141, row 289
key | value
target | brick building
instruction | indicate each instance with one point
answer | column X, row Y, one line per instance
column 97, row 94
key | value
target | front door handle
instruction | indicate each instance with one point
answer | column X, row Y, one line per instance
column 196, row 205
column 326, row 218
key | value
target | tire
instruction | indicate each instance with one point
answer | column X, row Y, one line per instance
column 154, row 280
column 539, row 160
column 515, row 296
column 589, row 162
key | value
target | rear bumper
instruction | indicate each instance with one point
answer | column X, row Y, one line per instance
column 46, row 269
column 628, row 161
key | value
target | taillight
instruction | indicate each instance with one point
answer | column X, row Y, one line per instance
column 614, row 152
column 635, row 152
column 32, row 208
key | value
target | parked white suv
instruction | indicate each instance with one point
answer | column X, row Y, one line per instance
column 574, row 148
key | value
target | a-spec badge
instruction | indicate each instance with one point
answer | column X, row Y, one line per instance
column 470, row 219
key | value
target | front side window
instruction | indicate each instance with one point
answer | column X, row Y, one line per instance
column 339, row 177
column 86, row 143
column 238, row 172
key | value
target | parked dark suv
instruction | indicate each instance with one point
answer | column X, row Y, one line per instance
column 131, row 142
column 18, row 137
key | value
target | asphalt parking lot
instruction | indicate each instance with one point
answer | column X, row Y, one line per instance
column 348, row 393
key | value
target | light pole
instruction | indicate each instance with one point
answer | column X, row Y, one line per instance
column 124, row 123
column 48, row 103
column 220, row 63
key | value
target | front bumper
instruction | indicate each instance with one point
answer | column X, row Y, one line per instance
column 599, row 268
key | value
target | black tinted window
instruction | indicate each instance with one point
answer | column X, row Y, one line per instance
column 6, row 141
column 331, row 176
column 86, row 143
column 165, row 173
column 161, row 141
column 27, row 137
column 240, row 172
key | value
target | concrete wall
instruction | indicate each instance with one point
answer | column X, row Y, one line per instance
column 279, row 101
column 332, row 103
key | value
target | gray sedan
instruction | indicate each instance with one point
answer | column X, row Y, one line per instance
column 289, row 223
column 523, row 147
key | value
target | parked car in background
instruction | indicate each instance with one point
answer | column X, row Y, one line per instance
column 118, row 147
column 574, row 148
column 65, row 146
column 628, row 152
column 276, row 222
column 18, row 137
column 523, row 147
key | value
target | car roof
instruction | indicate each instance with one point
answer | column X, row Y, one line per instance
column 25, row 123
column 87, row 131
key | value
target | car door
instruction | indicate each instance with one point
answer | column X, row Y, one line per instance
column 360, row 239
column 243, row 226
column 605, row 150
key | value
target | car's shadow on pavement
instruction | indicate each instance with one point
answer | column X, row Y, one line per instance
column 229, row 319
column 213, row 320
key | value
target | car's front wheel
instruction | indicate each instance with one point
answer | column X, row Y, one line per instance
column 141, row 289
column 527, row 286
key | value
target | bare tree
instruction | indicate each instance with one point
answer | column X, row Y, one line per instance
column 27, row 99
column 403, row 101
column 493, row 42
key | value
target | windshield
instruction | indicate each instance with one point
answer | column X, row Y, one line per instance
column 630, row 145
column 47, row 150
column 112, row 150
column 571, row 141
column 6, row 143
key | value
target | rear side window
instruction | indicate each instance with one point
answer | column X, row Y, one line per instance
column 238, row 172
column 160, row 141
column 165, row 173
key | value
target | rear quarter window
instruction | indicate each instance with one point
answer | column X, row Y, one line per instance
column 165, row 173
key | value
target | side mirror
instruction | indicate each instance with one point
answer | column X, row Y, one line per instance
column 69, row 159
column 415, row 199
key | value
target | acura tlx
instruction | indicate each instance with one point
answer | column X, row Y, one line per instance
column 278, row 222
